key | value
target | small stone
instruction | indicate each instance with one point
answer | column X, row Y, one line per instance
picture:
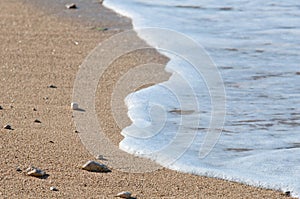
column 1, row 108
column 34, row 109
column 76, row 131
column 51, row 141
column 74, row 106
column 100, row 157
column 52, row 86
column 35, row 172
column 95, row 167
column 71, row 6
column 37, row 121
column 124, row 194
column 7, row 127
column 53, row 189
column 287, row 193
column 18, row 169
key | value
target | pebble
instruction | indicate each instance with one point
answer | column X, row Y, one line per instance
column 74, row 106
column 52, row 86
column 71, row 6
column 124, row 194
column 7, row 127
column 95, row 167
column 35, row 172
column 18, row 169
column 53, row 189
column 34, row 109
column 287, row 193
column 1, row 108
column 37, row 121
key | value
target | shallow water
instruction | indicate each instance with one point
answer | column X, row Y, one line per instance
column 256, row 47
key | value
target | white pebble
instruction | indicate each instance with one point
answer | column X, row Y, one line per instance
column 74, row 106
column 124, row 194
column 53, row 189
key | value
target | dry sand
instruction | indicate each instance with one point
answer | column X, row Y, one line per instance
column 37, row 50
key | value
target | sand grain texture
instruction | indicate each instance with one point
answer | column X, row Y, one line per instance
column 38, row 50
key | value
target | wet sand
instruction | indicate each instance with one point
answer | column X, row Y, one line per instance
column 39, row 49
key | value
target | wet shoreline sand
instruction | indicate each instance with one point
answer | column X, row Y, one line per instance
column 39, row 49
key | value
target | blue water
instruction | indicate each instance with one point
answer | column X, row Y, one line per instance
column 256, row 47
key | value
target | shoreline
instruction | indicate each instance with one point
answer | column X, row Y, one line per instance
column 39, row 49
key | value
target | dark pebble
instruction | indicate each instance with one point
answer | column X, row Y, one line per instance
column 1, row 108
column 37, row 121
column 52, row 86
column 8, row 127
column 34, row 109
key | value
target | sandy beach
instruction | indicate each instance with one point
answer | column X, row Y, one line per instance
column 39, row 49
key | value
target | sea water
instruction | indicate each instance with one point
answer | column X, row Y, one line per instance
column 256, row 47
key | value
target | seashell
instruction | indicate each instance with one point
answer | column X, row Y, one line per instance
column 95, row 167
column 124, row 194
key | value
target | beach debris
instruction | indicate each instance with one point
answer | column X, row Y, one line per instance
column 71, row 6
column 124, row 194
column 53, row 189
column 37, row 121
column 8, row 127
column 35, row 172
column 52, row 86
column 95, row 167
column 74, row 106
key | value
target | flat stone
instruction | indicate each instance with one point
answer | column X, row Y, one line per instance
column 71, row 6
column 35, row 172
column 95, row 167
column 124, row 194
